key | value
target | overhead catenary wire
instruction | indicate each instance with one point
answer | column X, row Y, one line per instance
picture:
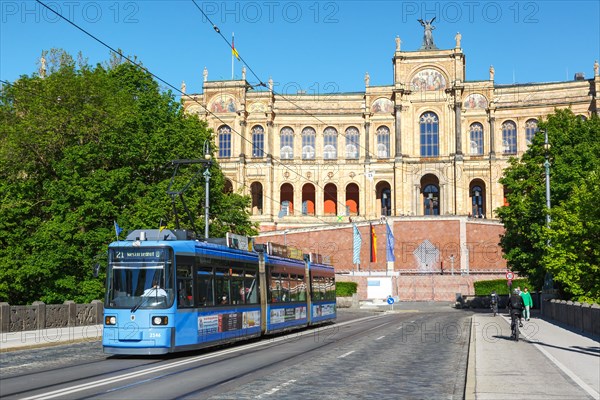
column 261, row 83
column 137, row 64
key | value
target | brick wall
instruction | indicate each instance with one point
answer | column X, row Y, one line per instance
column 472, row 242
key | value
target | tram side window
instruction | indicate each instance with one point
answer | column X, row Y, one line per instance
column 238, row 293
column 297, row 289
column 293, row 287
column 184, row 285
column 285, row 288
column 318, row 288
column 330, row 288
column 204, row 285
column 222, row 288
column 251, row 288
column 275, row 288
column 301, row 288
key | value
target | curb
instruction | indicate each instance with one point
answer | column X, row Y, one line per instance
column 470, row 381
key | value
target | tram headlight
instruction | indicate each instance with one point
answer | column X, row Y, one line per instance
column 159, row 320
column 110, row 320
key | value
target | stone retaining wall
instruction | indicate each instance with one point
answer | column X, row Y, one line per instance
column 582, row 316
column 42, row 316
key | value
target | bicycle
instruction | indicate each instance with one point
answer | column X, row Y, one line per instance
column 494, row 307
column 514, row 326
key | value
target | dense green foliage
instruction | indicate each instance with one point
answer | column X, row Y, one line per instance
column 485, row 288
column 345, row 289
column 569, row 250
column 81, row 148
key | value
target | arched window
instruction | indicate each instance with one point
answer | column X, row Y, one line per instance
column 256, row 190
column 352, row 146
column 509, row 137
column 286, row 199
column 431, row 202
column 258, row 141
column 352, row 199
column 308, row 199
column 224, row 134
column 330, row 143
column 308, row 143
column 429, row 125
column 286, row 149
column 330, row 199
column 531, row 128
column 476, row 139
column 227, row 187
column 386, row 202
column 477, row 201
column 383, row 142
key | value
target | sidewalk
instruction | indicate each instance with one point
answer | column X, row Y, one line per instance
column 49, row 337
column 548, row 362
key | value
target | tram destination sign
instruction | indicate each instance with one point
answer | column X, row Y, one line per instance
column 138, row 254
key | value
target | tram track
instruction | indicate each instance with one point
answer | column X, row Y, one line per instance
column 263, row 370
column 148, row 372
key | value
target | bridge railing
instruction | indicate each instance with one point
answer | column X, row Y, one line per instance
column 43, row 316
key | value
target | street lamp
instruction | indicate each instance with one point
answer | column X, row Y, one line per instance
column 547, row 167
column 207, row 158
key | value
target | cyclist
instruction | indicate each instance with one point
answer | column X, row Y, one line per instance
column 515, row 306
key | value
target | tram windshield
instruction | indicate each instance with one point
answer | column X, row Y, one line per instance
column 139, row 278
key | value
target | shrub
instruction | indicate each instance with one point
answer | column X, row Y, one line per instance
column 485, row 288
column 345, row 289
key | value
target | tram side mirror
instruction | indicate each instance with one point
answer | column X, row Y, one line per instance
column 96, row 270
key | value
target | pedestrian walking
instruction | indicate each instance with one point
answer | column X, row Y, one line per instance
column 528, row 303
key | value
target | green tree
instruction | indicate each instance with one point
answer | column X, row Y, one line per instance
column 569, row 248
column 80, row 148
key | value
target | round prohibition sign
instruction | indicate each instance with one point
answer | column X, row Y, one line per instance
column 510, row 275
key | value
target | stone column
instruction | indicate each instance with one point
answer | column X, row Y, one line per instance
column 71, row 313
column 270, row 138
column 243, row 140
column 4, row 317
column 367, row 137
column 492, row 121
column 417, row 200
column 40, row 314
column 398, row 110
column 457, row 128
column 98, row 312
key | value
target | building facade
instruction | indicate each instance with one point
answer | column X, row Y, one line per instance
column 430, row 144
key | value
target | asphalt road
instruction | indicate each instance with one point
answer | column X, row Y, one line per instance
column 417, row 353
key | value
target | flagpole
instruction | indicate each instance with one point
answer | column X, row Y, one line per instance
column 117, row 230
column 232, row 55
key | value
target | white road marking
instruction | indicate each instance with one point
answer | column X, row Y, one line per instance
column 346, row 354
column 277, row 388
column 380, row 337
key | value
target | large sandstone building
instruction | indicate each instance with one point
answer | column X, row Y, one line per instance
column 432, row 143
column 426, row 152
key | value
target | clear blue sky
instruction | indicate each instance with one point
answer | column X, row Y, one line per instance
column 317, row 46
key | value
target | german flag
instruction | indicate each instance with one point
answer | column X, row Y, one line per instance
column 373, row 244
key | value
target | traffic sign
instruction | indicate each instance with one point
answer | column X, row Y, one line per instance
column 510, row 276
column 390, row 300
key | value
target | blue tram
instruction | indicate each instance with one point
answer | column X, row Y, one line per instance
column 166, row 292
